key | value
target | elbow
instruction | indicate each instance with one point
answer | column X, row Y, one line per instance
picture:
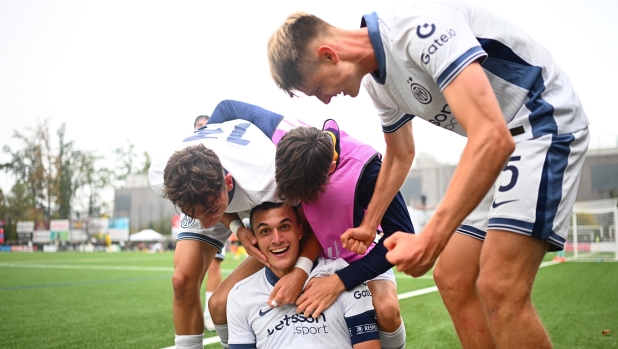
column 502, row 143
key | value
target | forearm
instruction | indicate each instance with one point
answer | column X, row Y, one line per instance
column 395, row 168
column 480, row 165
column 489, row 146
column 228, row 218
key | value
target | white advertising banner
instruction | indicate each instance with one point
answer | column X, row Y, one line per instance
column 118, row 234
column 25, row 226
column 41, row 236
column 78, row 235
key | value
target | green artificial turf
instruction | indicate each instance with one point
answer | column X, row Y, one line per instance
column 123, row 300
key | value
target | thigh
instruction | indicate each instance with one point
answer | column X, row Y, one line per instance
column 192, row 258
column 510, row 261
column 383, row 291
column 459, row 262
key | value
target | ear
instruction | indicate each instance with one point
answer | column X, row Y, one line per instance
column 229, row 182
column 300, row 231
column 328, row 54
column 333, row 165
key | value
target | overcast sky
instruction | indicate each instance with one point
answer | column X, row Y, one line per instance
column 142, row 70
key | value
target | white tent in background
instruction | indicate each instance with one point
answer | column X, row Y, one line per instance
column 147, row 235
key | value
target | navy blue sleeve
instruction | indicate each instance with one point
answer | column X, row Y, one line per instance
column 396, row 218
column 363, row 327
column 265, row 120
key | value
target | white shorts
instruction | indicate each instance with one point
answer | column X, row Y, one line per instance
column 191, row 229
column 535, row 193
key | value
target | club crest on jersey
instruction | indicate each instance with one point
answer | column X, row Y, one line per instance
column 186, row 222
column 423, row 32
column 420, row 92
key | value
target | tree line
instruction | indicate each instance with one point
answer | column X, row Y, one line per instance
column 55, row 179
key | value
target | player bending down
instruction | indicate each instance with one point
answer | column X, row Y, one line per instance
column 349, row 322
column 467, row 70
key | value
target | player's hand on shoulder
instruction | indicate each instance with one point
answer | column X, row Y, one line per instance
column 288, row 288
column 320, row 293
column 358, row 239
column 248, row 240
column 410, row 253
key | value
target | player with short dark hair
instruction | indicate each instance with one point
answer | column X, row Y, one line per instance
column 469, row 71
column 348, row 323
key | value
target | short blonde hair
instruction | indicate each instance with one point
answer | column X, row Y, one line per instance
column 287, row 49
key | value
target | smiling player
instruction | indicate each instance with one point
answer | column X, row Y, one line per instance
column 349, row 322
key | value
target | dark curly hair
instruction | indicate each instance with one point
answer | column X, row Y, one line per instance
column 193, row 176
column 304, row 156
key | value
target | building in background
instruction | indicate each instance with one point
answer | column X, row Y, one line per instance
column 142, row 206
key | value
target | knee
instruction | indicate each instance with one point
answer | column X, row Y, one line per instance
column 452, row 284
column 388, row 314
column 217, row 305
column 183, row 285
column 496, row 293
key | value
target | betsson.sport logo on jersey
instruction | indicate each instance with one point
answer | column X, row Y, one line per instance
column 309, row 324
column 427, row 30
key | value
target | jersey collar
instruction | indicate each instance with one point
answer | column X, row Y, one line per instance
column 372, row 22
column 272, row 278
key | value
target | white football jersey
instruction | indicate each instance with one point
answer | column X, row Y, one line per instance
column 247, row 154
column 421, row 46
column 253, row 324
column 244, row 151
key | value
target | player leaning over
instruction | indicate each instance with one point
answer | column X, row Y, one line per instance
column 469, row 71
column 334, row 193
column 349, row 322
column 220, row 170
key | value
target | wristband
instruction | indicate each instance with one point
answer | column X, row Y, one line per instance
column 235, row 225
column 305, row 264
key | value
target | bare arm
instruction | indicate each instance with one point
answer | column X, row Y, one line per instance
column 395, row 168
column 474, row 103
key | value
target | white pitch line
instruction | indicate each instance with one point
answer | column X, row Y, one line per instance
column 207, row 341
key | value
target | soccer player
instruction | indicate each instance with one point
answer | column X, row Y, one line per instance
column 219, row 171
column 469, row 71
column 349, row 322
column 213, row 275
column 333, row 176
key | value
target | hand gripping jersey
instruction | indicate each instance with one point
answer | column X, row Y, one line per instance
column 422, row 46
column 246, row 153
column 253, row 324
